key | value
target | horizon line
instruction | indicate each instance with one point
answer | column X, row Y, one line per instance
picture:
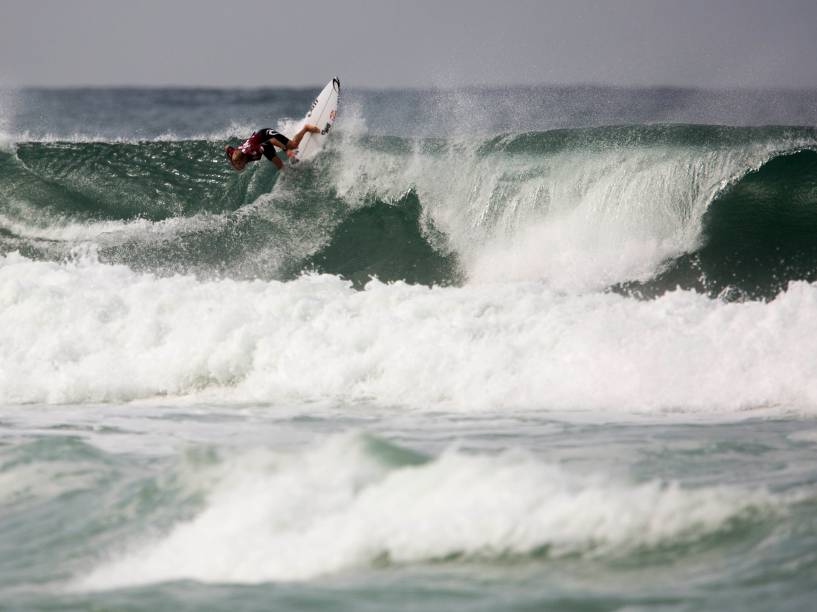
column 417, row 88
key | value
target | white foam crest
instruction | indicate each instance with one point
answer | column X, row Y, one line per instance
column 7, row 143
column 8, row 106
column 66, row 230
column 577, row 219
column 84, row 332
column 272, row 517
column 232, row 131
column 810, row 435
column 29, row 136
column 32, row 223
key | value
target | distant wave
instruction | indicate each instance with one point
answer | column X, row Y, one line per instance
column 357, row 501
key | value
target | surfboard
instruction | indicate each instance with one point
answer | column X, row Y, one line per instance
column 322, row 113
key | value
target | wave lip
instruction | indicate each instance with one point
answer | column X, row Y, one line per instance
column 758, row 235
column 581, row 210
column 357, row 502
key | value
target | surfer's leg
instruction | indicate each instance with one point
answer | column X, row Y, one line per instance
column 296, row 140
column 269, row 152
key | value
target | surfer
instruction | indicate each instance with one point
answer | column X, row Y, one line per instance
column 263, row 142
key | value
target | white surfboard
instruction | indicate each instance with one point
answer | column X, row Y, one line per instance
column 322, row 113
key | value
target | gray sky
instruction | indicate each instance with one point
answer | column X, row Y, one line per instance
column 388, row 43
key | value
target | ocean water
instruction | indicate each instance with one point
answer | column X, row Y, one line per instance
column 494, row 349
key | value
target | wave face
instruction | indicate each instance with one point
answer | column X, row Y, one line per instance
column 637, row 209
column 173, row 207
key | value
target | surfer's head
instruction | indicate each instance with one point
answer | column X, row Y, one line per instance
column 237, row 159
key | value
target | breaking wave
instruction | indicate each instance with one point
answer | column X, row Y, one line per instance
column 637, row 209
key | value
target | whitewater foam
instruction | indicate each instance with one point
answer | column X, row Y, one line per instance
column 810, row 435
column 349, row 504
column 84, row 332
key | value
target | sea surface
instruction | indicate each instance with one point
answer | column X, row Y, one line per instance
column 493, row 349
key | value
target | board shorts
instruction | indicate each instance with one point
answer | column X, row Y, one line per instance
column 269, row 149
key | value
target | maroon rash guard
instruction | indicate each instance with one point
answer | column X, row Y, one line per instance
column 259, row 144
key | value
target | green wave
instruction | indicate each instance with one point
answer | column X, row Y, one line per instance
column 205, row 218
column 149, row 180
column 176, row 206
